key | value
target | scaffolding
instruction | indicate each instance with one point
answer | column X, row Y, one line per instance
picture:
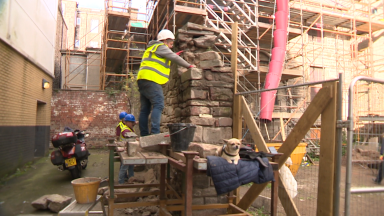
column 124, row 42
column 81, row 59
column 325, row 38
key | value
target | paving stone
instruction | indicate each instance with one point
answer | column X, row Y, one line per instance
column 154, row 140
column 195, row 110
column 58, row 202
column 203, row 103
column 226, row 104
column 210, row 55
column 216, row 135
column 205, row 41
column 221, row 111
column 224, row 122
column 222, row 69
column 201, row 121
column 208, row 75
column 192, row 74
column 219, row 84
column 181, row 70
column 177, row 112
column 41, row 203
column 211, row 63
column 191, row 93
column 205, row 149
column 184, row 37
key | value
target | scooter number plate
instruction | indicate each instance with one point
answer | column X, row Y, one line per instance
column 70, row 162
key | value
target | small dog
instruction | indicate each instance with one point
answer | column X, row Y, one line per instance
column 230, row 150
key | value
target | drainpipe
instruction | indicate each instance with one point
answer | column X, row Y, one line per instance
column 273, row 77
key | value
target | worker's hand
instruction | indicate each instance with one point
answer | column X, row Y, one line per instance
column 192, row 66
column 178, row 53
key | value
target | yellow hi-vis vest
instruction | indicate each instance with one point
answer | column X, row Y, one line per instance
column 123, row 127
column 154, row 68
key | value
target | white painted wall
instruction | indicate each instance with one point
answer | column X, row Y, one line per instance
column 30, row 27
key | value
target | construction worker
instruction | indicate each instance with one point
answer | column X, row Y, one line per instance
column 128, row 124
column 154, row 72
column 120, row 125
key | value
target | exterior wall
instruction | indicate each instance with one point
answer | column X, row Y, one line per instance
column 70, row 14
column 84, row 30
column 94, row 111
column 25, row 112
column 30, row 28
column 61, row 44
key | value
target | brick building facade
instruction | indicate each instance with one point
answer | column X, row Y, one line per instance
column 27, row 51
column 93, row 111
column 84, row 26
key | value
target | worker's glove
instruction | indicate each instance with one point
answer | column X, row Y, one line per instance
column 191, row 66
column 178, row 53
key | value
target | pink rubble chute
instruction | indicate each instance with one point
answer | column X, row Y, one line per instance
column 273, row 77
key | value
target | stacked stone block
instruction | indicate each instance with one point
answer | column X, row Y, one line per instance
column 202, row 96
column 194, row 95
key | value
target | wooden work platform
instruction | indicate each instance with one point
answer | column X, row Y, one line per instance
column 184, row 161
column 265, row 33
column 76, row 209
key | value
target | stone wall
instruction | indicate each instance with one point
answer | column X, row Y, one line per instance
column 202, row 96
column 93, row 111
column 194, row 95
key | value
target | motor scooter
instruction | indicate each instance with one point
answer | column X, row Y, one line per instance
column 72, row 153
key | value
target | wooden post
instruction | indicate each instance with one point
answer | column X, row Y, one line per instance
column 237, row 127
column 253, row 128
column 237, row 117
column 327, row 155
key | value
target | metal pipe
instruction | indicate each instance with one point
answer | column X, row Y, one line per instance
column 285, row 87
column 339, row 114
column 367, row 190
column 348, row 175
column 86, row 74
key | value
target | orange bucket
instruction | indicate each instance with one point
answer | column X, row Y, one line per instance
column 86, row 189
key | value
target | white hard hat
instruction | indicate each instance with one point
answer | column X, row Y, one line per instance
column 165, row 34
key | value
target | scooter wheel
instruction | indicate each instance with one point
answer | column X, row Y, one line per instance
column 76, row 172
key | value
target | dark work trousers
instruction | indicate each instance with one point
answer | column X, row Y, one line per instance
column 151, row 94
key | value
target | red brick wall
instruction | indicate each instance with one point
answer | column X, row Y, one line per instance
column 93, row 111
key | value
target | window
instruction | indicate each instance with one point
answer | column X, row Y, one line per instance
column 77, row 43
column 78, row 20
column 94, row 26
column 93, row 44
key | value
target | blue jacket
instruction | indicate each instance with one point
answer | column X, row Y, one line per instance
column 227, row 177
